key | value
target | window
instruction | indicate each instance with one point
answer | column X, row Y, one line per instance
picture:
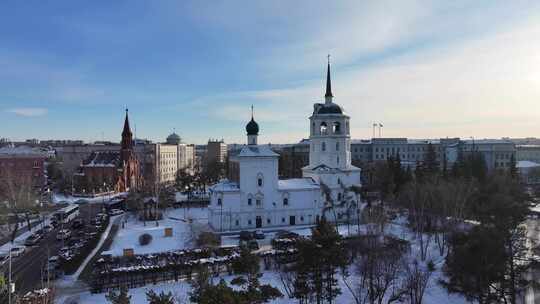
column 249, row 222
column 339, row 196
column 249, row 201
column 285, row 202
column 219, row 202
column 236, row 223
column 258, row 202
column 338, row 160
column 268, row 221
column 323, row 128
column 323, row 146
column 336, row 128
column 301, row 218
column 283, row 220
column 337, row 146
column 259, row 182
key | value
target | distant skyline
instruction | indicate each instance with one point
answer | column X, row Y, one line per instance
column 422, row 69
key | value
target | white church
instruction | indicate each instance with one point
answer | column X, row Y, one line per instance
column 254, row 197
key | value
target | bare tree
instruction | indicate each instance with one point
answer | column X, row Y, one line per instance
column 417, row 280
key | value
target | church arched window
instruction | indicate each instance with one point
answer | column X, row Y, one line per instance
column 323, row 146
column 259, row 179
column 336, row 128
column 323, row 128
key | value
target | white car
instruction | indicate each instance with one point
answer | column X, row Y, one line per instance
column 17, row 251
column 63, row 234
column 114, row 212
column 4, row 259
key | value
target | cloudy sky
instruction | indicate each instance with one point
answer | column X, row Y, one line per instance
column 423, row 69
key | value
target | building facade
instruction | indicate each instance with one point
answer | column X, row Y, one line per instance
column 216, row 151
column 20, row 166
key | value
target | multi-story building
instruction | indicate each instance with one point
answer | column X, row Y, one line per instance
column 22, row 165
column 528, row 152
column 497, row 153
column 216, row 151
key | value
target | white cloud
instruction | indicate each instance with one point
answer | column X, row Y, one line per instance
column 483, row 87
column 28, row 112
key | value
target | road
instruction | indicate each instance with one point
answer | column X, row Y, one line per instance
column 27, row 269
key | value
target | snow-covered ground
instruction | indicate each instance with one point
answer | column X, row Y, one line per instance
column 61, row 198
column 184, row 222
column 128, row 238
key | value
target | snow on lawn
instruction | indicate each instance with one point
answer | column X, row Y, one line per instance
column 435, row 293
column 180, row 290
column 61, row 198
column 177, row 219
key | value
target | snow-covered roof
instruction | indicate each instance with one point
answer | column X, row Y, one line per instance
column 527, row 164
column 257, row 151
column 225, row 186
column 297, row 184
column 22, row 151
column 102, row 159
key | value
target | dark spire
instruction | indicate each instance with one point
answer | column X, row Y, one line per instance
column 328, row 82
column 127, row 129
column 127, row 136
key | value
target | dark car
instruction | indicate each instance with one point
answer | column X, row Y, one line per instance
column 284, row 234
column 31, row 240
column 77, row 223
column 259, row 235
column 246, row 235
column 253, row 245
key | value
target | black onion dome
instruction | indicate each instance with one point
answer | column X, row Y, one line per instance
column 173, row 138
column 331, row 108
column 252, row 128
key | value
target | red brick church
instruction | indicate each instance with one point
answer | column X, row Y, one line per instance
column 117, row 171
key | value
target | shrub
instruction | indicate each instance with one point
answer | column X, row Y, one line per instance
column 208, row 239
column 145, row 239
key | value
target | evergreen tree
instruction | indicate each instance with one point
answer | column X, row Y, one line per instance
column 431, row 165
column 161, row 298
column 316, row 273
column 119, row 298
column 513, row 167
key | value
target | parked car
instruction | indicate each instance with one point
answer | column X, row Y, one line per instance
column 284, row 234
column 81, row 202
column 77, row 223
column 17, row 251
column 31, row 240
column 259, row 235
column 63, row 234
column 114, row 212
column 246, row 235
column 253, row 245
column 4, row 259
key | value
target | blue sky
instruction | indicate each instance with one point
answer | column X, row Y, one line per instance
column 423, row 69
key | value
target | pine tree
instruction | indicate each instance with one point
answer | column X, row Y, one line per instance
column 431, row 165
column 119, row 298
column 513, row 168
column 162, row 298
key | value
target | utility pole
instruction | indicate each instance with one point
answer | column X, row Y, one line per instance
column 10, row 288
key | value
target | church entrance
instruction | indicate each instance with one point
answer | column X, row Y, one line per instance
column 258, row 222
column 292, row 220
